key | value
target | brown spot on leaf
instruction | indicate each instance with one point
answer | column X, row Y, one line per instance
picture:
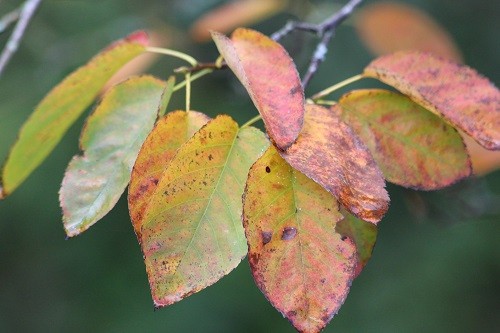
column 289, row 233
column 266, row 237
column 268, row 169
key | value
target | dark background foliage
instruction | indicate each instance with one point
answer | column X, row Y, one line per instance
column 435, row 267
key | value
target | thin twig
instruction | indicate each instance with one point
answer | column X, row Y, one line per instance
column 27, row 10
column 9, row 19
column 325, row 30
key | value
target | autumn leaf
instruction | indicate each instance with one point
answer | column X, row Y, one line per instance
column 301, row 264
column 362, row 233
column 387, row 27
column 111, row 140
column 61, row 107
column 460, row 95
column 160, row 147
column 328, row 152
column 234, row 14
column 483, row 161
column 166, row 96
column 412, row 146
column 269, row 75
column 191, row 231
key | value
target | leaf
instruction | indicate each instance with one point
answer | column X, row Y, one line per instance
column 387, row 27
column 328, row 152
column 61, row 107
column 234, row 14
column 362, row 233
column 160, row 147
column 269, row 75
column 483, row 161
column 166, row 95
column 460, row 95
column 298, row 260
column 191, row 231
column 111, row 140
column 413, row 147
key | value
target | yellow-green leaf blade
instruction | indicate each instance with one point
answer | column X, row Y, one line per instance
column 160, row 147
column 111, row 140
column 191, row 233
column 269, row 75
column 412, row 146
column 464, row 98
column 61, row 107
column 330, row 153
column 298, row 260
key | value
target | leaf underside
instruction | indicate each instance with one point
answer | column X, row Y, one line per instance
column 111, row 140
column 460, row 95
column 298, row 260
column 61, row 107
column 329, row 152
column 191, row 231
column 412, row 146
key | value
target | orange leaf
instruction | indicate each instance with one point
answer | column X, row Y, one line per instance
column 271, row 79
column 457, row 93
column 328, row 152
column 298, row 260
column 387, row 27
column 234, row 14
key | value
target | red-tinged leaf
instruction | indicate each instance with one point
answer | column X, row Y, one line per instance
column 328, row 152
column 269, row 75
column 111, row 140
column 61, row 107
column 191, row 232
column 234, row 14
column 483, row 161
column 387, row 27
column 464, row 98
column 298, row 260
column 362, row 233
column 160, row 147
column 412, row 146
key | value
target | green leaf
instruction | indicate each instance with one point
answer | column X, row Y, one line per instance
column 298, row 260
column 330, row 153
column 160, row 147
column 413, row 147
column 166, row 95
column 269, row 75
column 464, row 98
column 362, row 233
column 111, row 140
column 191, row 233
column 61, row 107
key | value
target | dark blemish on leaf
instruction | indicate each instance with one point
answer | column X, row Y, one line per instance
column 291, row 314
column 289, row 233
column 154, row 181
column 205, row 183
column 165, row 193
column 323, row 280
column 210, row 135
column 210, row 157
column 266, row 237
column 295, row 89
column 343, row 238
column 268, row 169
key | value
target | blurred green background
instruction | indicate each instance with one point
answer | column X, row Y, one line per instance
column 433, row 270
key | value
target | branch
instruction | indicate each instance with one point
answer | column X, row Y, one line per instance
column 325, row 30
column 26, row 12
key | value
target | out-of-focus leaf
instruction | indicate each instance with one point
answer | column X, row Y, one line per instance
column 111, row 140
column 61, row 107
column 362, row 233
column 269, row 75
column 328, row 152
column 483, row 161
column 387, row 27
column 412, row 146
column 166, row 95
column 457, row 93
column 235, row 14
column 160, row 147
column 298, row 260
column 191, row 231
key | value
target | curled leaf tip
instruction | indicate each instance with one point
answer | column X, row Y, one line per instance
column 140, row 37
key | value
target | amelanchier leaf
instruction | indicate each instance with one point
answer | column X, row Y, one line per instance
column 111, row 140
column 457, row 93
column 269, row 75
column 330, row 153
column 362, row 233
column 160, row 147
column 301, row 264
column 61, row 107
column 412, row 146
column 387, row 27
column 191, row 231
column 166, row 95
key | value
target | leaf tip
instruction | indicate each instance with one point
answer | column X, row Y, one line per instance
column 139, row 37
column 3, row 195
